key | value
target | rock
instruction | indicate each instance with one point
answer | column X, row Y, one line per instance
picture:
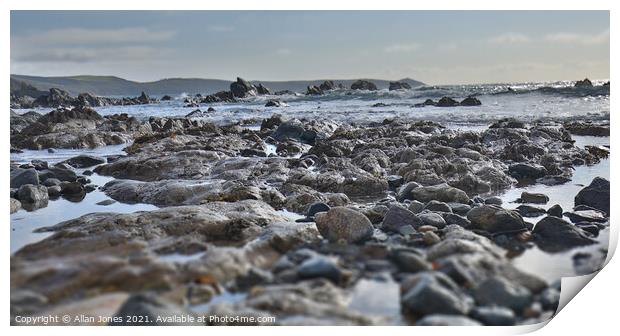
column 21, row 176
column 54, row 191
column 71, row 188
column 242, row 88
column 294, row 130
column 495, row 219
column 327, row 85
column 592, row 216
column 595, row 195
column 106, row 202
column 411, row 262
column 494, row 315
column 535, row 198
column 363, row 85
column 530, row 211
column 313, row 90
column 508, row 123
column 319, row 267
column 440, row 192
column 275, row 103
column 316, row 208
column 471, row 101
column 460, row 208
column 416, row 206
column 494, row 200
column 554, row 233
column 404, row 192
column 155, row 309
column 85, row 161
column 524, row 171
column 438, row 320
column 430, row 238
column 144, row 98
column 340, row 223
column 447, row 102
column 432, row 218
column 15, row 205
column 556, row 211
column 29, row 193
column 261, row 90
column 587, row 128
column 50, row 182
column 429, row 293
column 399, row 86
column 397, row 217
column 438, row 206
column 501, row 292
column 166, row 98
column 584, row 83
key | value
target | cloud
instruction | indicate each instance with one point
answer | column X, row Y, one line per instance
column 581, row 39
column 509, row 38
column 401, row 48
column 85, row 55
column 74, row 36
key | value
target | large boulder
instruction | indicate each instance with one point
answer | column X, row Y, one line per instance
column 399, row 86
column 587, row 83
column 398, row 217
column 595, row 195
column 499, row 291
column 440, row 192
column 29, row 193
column 495, row 219
column 363, row 85
column 242, row 88
column 340, row 223
column 20, row 176
column 554, row 233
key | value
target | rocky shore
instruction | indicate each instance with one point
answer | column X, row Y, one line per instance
column 289, row 220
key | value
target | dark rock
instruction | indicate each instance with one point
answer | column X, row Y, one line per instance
column 411, row 262
column 460, row 208
column 327, row 85
column 316, row 208
column 431, row 218
column 524, row 171
column 595, row 216
column 508, row 123
column 319, row 267
column 394, row 181
column 106, row 202
column 416, row 206
column 71, row 188
column 587, row 128
column 314, row 90
column 471, row 101
column 530, row 211
column 555, row 210
column 397, row 217
column 294, row 130
column 85, row 161
column 363, row 85
column 447, row 102
column 534, row 198
column 595, row 195
column 584, row 83
column 261, row 90
column 440, row 192
column 501, row 292
column 404, row 192
column 340, row 223
column 438, row 206
column 166, row 98
column 438, row 320
column 432, row 293
column 20, row 176
column 54, row 191
column 554, row 233
column 494, row 315
column 242, row 88
column 275, row 103
column 495, row 219
column 29, row 193
column 399, row 86
column 154, row 309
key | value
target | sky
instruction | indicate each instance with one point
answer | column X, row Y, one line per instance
column 436, row 47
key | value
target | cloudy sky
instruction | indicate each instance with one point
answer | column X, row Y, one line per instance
column 432, row 46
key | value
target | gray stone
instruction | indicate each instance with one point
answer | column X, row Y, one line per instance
column 494, row 315
column 536, row 198
column 340, row 223
column 29, row 193
column 440, row 192
column 446, row 320
column 20, row 176
column 432, row 218
column 501, row 292
column 554, row 233
column 433, row 293
column 495, row 219
column 397, row 216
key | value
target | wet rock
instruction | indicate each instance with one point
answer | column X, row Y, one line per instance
column 71, row 188
column 294, row 130
column 15, row 205
column 494, row 200
column 50, row 182
column 58, row 172
column 555, row 210
column 588, row 128
column 432, row 218
column 494, row 315
column 554, row 233
column 340, row 223
column 327, row 85
column 314, row 90
column 471, row 101
column 430, row 238
column 495, row 219
column 29, row 193
column 524, row 171
column 595, row 195
column 157, row 311
column 411, row 262
column 440, row 192
column 438, row 206
column 85, row 161
column 446, row 320
column 584, row 83
column 593, row 216
column 416, row 206
column 275, row 103
column 262, row 90
column 54, row 191
column 21, row 176
column 550, row 298
column 106, row 202
column 399, row 86
column 460, row 208
column 432, row 293
column 501, row 292
column 397, row 217
column 530, row 211
column 363, row 85
column 316, row 208
column 447, row 102
column 319, row 267
column 404, row 192
column 395, row 181
column 534, row 198
column 242, row 88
